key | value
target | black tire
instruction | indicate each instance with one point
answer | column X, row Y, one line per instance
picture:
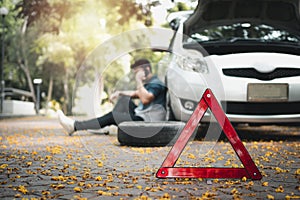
column 149, row 134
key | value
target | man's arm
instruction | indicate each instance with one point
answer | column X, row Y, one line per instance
column 141, row 92
column 116, row 94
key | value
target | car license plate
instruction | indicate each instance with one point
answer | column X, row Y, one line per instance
column 267, row 92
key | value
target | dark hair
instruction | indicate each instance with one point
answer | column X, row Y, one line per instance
column 141, row 63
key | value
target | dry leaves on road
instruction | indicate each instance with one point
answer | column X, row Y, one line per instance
column 46, row 164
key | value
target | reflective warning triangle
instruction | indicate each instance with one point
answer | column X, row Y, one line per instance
column 167, row 169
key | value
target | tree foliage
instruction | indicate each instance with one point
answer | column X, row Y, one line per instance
column 180, row 6
column 50, row 39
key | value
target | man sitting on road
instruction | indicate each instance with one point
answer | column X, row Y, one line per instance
column 150, row 91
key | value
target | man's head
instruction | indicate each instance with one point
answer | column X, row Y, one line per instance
column 142, row 64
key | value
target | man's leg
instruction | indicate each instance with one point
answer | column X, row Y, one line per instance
column 123, row 111
column 95, row 123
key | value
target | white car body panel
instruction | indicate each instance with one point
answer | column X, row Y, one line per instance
column 185, row 85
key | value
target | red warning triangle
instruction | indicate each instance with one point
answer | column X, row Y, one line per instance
column 167, row 170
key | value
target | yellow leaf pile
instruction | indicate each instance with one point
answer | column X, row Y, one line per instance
column 95, row 166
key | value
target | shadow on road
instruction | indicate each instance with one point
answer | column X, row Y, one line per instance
column 255, row 133
column 267, row 133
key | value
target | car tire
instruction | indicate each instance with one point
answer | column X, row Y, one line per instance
column 149, row 134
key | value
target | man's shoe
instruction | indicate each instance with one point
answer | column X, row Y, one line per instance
column 66, row 122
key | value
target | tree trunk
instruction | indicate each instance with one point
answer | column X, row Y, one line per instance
column 22, row 60
column 29, row 80
column 26, row 71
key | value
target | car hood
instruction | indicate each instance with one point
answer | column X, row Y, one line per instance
column 279, row 13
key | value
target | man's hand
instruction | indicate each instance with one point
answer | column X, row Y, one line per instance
column 114, row 96
column 140, row 76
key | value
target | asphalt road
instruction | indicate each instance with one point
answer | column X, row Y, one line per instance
column 38, row 160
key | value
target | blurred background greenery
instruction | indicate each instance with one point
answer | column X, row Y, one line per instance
column 50, row 40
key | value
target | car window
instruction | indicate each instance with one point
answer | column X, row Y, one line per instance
column 241, row 32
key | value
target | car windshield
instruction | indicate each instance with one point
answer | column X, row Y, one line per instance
column 241, row 32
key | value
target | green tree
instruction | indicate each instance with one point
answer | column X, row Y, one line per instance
column 17, row 49
column 49, row 16
column 52, row 38
column 180, row 6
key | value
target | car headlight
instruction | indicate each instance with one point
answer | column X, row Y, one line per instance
column 192, row 64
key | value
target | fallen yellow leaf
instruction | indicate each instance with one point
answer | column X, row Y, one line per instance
column 22, row 189
column 265, row 184
column 234, row 191
column 279, row 189
column 45, row 192
column 100, row 192
column 3, row 166
column 78, row 189
column 288, row 197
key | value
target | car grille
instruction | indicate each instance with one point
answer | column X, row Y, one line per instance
column 262, row 108
column 253, row 73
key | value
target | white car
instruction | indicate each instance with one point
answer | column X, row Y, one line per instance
column 247, row 52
